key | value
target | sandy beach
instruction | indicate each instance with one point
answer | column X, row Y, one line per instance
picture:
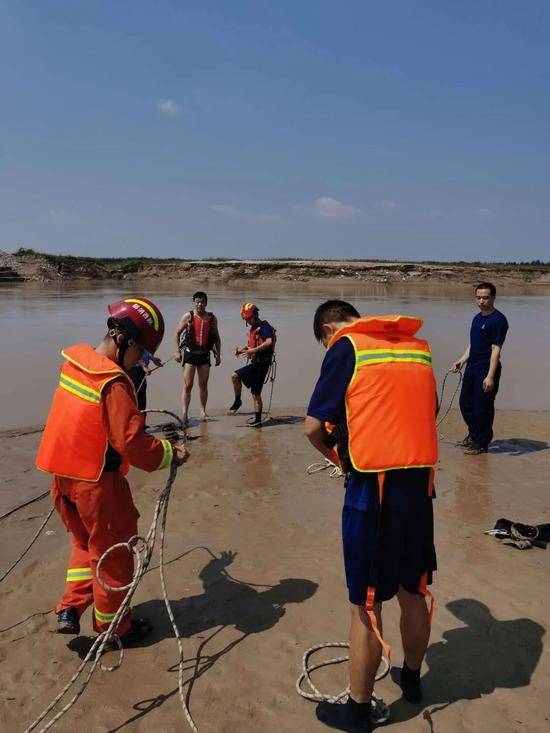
column 256, row 576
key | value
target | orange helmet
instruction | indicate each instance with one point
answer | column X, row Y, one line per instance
column 140, row 319
column 248, row 310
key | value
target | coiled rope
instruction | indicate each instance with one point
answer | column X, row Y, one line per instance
column 142, row 549
column 380, row 710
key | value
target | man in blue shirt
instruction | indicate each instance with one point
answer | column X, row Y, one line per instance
column 482, row 375
column 394, row 540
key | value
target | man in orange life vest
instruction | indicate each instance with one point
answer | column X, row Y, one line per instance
column 93, row 433
column 377, row 387
column 260, row 350
column 195, row 337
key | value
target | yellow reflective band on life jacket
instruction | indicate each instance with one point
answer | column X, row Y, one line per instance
column 76, row 574
column 168, row 454
column 79, row 389
column 103, row 618
column 148, row 308
column 366, row 357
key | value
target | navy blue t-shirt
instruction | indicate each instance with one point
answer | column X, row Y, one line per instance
column 484, row 332
column 328, row 404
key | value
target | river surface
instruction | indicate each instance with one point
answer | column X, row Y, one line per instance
column 36, row 321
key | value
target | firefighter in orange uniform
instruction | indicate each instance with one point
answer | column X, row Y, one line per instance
column 94, row 432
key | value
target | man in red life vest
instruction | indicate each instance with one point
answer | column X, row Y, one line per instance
column 93, row 433
column 195, row 337
column 260, row 350
column 377, row 388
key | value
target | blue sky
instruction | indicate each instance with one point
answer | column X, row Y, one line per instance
column 399, row 129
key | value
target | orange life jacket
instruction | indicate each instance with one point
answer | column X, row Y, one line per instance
column 74, row 442
column 391, row 398
column 255, row 337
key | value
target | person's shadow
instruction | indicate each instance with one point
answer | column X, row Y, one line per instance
column 224, row 602
column 474, row 660
column 518, row 446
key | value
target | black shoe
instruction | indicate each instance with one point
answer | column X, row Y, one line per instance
column 236, row 405
column 465, row 442
column 410, row 684
column 139, row 629
column 256, row 422
column 345, row 717
column 68, row 621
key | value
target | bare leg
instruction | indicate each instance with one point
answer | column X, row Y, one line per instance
column 415, row 627
column 365, row 652
column 237, row 384
column 258, row 404
column 203, row 373
column 188, row 379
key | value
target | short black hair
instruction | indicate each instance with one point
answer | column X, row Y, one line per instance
column 201, row 294
column 332, row 311
column 487, row 286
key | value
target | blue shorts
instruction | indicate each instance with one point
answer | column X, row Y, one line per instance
column 405, row 547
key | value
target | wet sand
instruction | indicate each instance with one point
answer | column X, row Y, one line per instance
column 255, row 573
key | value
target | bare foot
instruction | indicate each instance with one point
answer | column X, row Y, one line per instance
column 203, row 417
column 185, row 421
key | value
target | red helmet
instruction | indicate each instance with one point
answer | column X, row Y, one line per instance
column 248, row 310
column 141, row 319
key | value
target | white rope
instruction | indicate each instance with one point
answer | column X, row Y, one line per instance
column 142, row 549
column 380, row 710
column 336, row 471
column 31, row 543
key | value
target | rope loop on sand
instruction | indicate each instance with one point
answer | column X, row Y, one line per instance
column 142, row 549
column 380, row 710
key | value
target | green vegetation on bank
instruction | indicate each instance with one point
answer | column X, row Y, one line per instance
column 131, row 264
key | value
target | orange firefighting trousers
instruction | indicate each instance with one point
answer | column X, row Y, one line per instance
column 98, row 515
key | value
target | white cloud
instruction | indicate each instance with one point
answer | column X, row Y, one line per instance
column 329, row 208
column 484, row 213
column 224, row 209
column 169, row 108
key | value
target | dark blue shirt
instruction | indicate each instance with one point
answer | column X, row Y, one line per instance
column 484, row 332
column 328, row 404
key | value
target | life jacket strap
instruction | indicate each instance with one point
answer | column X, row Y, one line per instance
column 373, row 575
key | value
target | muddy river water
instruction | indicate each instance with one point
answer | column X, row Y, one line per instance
column 36, row 321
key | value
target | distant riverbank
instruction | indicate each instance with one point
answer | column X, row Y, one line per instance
column 28, row 265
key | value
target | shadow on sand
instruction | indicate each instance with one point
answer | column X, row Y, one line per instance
column 518, row 446
column 474, row 660
column 246, row 608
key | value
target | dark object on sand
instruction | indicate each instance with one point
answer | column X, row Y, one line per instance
column 521, row 536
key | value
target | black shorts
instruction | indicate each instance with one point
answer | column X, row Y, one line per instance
column 406, row 541
column 196, row 359
column 253, row 376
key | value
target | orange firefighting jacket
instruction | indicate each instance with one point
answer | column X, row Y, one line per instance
column 76, row 436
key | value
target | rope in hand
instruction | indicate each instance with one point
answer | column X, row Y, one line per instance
column 336, row 471
column 379, row 709
column 150, row 371
column 442, row 393
column 142, row 549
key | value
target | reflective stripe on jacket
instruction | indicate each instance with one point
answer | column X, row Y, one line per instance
column 75, row 439
column 391, row 398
